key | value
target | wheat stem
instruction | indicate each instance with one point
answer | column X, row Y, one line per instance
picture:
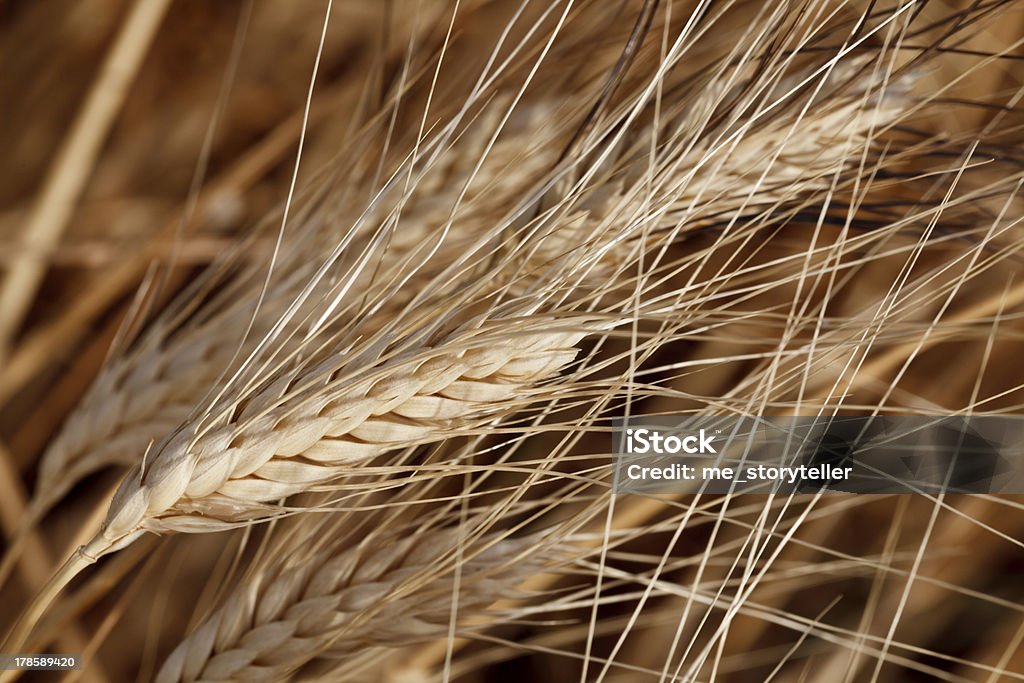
column 22, row 629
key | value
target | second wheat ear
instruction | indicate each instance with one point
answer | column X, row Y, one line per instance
column 336, row 602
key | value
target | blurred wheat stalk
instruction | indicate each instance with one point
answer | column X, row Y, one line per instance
column 413, row 259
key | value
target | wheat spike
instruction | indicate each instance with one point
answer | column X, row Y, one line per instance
column 396, row 592
column 227, row 469
column 200, row 482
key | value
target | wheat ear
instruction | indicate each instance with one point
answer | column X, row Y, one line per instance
column 208, row 481
column 337, row 603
